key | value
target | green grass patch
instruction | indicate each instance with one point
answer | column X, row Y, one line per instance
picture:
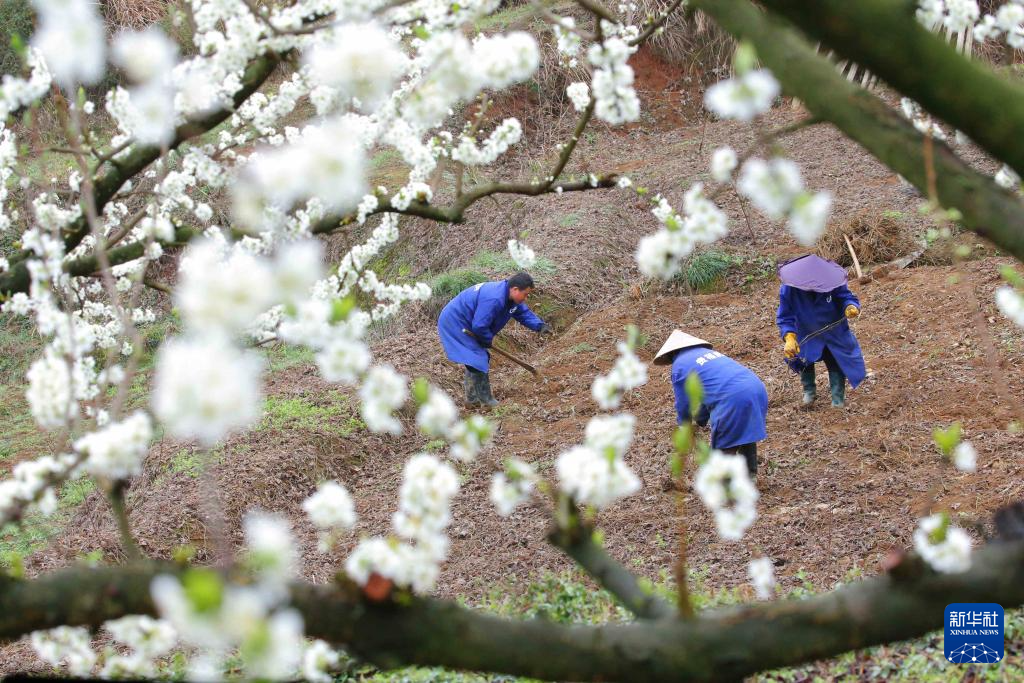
column 582, row 347
column 500, row 262
column 18, row 541
column 301, row 413
column 569, row 220
column 704, row 271
column 284, row 356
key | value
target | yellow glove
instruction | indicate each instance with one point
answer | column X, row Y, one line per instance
column 852, row 312
column 792, row 348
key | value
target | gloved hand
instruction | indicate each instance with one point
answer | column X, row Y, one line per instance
column 546, row 329
column 852, row 312
column 791, row 348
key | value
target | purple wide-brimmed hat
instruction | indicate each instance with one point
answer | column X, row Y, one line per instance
column 812, row 273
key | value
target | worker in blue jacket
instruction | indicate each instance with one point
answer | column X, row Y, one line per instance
column 735, row 399
column 814, row 327
column 483, row 310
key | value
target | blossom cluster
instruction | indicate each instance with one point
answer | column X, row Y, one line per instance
column 723, row 484
column 616, row 101
column 660, row 255
column 412, row 559
column 627, row 373
column 776, row 188
column 596, row 473
column 743, row 97
column 511, row 488
column 253, row 619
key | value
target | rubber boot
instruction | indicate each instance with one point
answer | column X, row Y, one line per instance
column 749, row 452
column 470, row 386
column 810, row 390
column 837, row 383
column 483, row 389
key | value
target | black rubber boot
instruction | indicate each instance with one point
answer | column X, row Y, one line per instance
column 749, row 452
column 469, row 385
column 810, row 389
column 837, row 383
column 483, row 389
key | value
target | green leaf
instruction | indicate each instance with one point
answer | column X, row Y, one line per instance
column 694, row 392
column 682, row 438
column 947, row 439
column 1012, row 276
column 420, row 390
column 675, row 464
column 204, row 589
column 597, row 537
column 703, row 452
column 81, row 98
column 421, row 32
column 341, row 308
column 744, row 59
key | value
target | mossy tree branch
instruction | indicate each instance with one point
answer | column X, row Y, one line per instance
column 723, row 645
column 987, row 209
column 885, row 37
column 579, row 544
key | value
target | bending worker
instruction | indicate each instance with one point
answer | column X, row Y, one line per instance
column 735, row 399
column 468, row 323
column 814, row 307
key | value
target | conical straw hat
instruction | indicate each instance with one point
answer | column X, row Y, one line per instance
column 676, row 341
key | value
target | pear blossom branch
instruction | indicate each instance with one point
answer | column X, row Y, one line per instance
column 721, row 644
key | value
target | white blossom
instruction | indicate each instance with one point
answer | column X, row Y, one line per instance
column 594, row 478
column 117, row 451
column 318, row 661
column 511, row 488
column 522, row 255
column 809, row 215
column 771, row 186
column 65, row 645
column 723, row 163
column 382, row 392
column 579, row 95
column 359, row 61
column 724, row 486
column 1011, row 304
column 762, row 576
column 743, row 97
column 330, row 507
column 205, row 389
column 944, row 547
column 965, row 457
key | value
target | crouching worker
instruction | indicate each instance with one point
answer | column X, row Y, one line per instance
column 735, row 399
column 468, row 323
column 814, row 307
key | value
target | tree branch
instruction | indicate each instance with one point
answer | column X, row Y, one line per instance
column 616, row 579
column 987, row 209
column 724, row 644
column 885, row 37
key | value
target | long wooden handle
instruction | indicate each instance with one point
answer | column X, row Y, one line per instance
column 506, row 354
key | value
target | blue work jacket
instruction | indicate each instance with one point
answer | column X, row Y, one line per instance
column 482, row 309
column 735, row 398
column 804, row 312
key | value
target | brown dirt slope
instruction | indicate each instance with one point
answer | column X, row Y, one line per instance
column 839, row 488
